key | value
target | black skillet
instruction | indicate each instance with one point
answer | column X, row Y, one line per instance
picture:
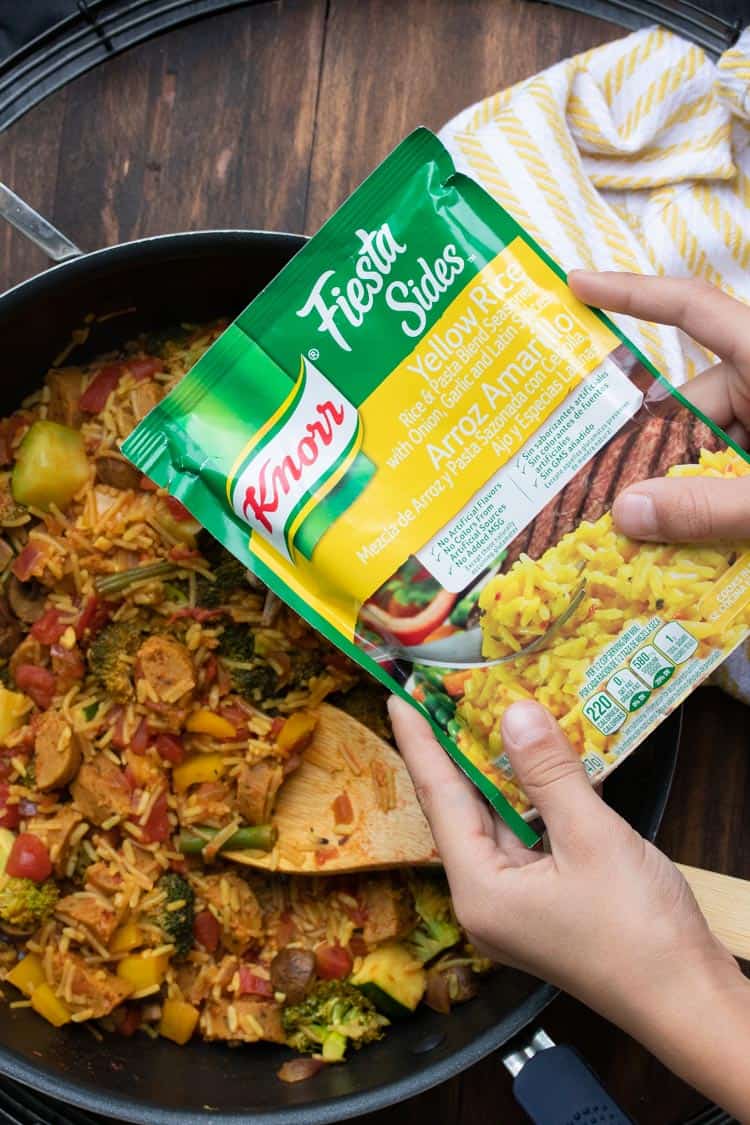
column 154, row 283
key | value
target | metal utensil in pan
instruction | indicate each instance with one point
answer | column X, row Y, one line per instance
column 162, row 281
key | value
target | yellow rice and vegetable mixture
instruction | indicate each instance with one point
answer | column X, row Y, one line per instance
column 154, row 698
column 625, row 581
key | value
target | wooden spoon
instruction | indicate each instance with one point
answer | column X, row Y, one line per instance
column 389, row 829
column 387, row 826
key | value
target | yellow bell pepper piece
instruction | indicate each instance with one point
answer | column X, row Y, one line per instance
column 13, row 707
column 127, row 937
column 197, row 768
column 27, row 974
column 297, row 732
column 143, row 971
column 204, row 721
column 44, row 1001
column 178, row 1021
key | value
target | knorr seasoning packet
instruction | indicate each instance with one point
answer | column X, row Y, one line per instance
column 414, row 436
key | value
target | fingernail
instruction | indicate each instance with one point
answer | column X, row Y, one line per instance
column 635, row 515
column 526, row 722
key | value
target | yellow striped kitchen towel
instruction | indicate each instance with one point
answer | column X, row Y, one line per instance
column 632, row 156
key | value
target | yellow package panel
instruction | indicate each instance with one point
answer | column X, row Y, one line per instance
column 730, row 595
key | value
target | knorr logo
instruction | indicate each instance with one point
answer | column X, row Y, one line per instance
column 295, row 460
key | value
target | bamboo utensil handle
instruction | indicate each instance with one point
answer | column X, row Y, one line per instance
column 725, row 902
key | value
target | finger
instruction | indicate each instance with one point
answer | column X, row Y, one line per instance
column 704, row 312
column 460, row 820
column 687, row 510
column 720, row 393
column 549, row 770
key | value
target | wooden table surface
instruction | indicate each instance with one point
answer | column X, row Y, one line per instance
column 268, row 117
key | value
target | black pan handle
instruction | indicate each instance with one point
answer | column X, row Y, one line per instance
column 35, row 227
column 555, row 1086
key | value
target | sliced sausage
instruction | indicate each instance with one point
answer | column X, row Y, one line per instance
column 235, row 907
column 100, row 790
column 91, row 912
column 91, row 986
column 167, row 670
column 57, row 752
column 56, row 833
column 257, row 786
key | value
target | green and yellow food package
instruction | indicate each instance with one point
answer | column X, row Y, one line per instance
column 414, row 436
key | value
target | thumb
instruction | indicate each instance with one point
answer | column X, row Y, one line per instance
column 691, row 509
column 549, row 770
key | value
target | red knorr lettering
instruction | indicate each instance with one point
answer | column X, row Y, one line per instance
column 262, row 497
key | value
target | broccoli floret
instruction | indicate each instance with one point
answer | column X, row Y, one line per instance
column 109, row 657
column 24, row 905
column 237, row 650
column 437, row 928
column 228, row 577
column 178, row 922
column 333, row 1010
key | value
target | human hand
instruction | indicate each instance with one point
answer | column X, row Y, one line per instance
column 604, row 914
column 695, row 508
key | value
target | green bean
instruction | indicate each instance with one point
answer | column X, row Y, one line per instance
column 255, row 837
column 115, row 583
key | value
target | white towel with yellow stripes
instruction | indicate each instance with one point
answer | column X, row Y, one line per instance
column 632, row 156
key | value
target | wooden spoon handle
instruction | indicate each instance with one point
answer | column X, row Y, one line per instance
column 725, row 902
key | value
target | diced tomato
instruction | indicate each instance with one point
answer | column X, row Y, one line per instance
column 322, row 855
column 9, row 814
column 131, row 780
column 38, row 683
column 49, row 628
column 277, row 725
column 29, row 859
column 358, row 914
column 207, row 931
column 343, row 813
column 333, row 962
column 116, row 720
column 127, row 1020
column 94, row 398
column 182, row 554
column 144, row 368
column 196, row 613
column 27, row 562
column 177, row 509
column 149, row 485
column 253, row 985
column 170, row 748
column 156, row 829
column 140, row 738
column 93, row 616
column 178, row 865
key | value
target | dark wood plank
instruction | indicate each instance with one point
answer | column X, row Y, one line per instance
column 389, row 67
column 208, row 126
column 29, row 156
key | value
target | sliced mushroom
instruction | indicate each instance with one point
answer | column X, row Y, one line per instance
column 26, row 599
column 117, row 472
column 293, row 973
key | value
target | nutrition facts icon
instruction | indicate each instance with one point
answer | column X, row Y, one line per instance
column 675, row 642
column 606, row 715
column 652, row 666
column 627, row 689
